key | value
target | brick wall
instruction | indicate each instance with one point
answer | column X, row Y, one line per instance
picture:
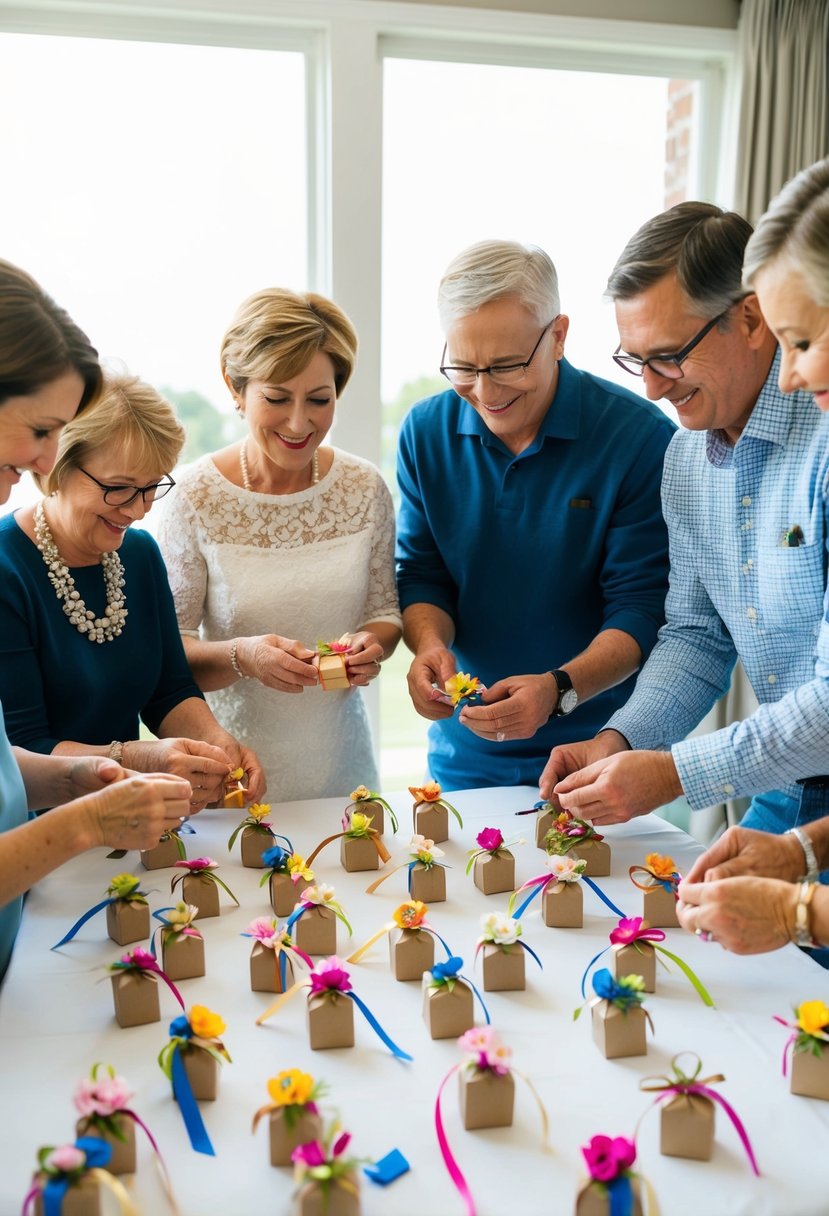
column 678, row 140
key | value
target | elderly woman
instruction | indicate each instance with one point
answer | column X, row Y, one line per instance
column 48, row 372
column 88, row 636
column 283, row 533
column 742, row 892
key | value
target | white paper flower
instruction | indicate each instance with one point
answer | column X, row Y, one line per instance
column 501, row 929
column 421, row 846
column 322, row 893
column 566, row 869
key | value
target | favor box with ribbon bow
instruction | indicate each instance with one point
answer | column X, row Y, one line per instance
column 330, row 662
column 579, row 839
column 810, row 1055
column 271, row 957
column 71, row 1178
column 182, row 945
column 428, row 883
column 196, row 1038
column 102, row 1103
column 289, row 876
column 503, row 953
column 330, row 1020
column 200, row 885
column 544, row 817
column 492, row 863
column 486, row 1087
column 430, row 813
column 294, row 1117
column 135, row 996
column 411, row 953
column 448, row 1009
column 658, row 880
column 638, row 958
column 128, row 916
column 619, row 1021
column 313, row 922
column 165, row 854
column 360, row 845
column 562, row 904
column 257, row 836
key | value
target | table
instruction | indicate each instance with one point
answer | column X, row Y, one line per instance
column 56, row 1020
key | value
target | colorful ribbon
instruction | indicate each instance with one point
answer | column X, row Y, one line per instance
column 190, row 1113
column 195, row 869
column 629, row 932
column 98, row 1153
column 449, row 973
column 797, row 1030
column 387, row 928
column 304, row 905
column 487, row 941
column 142, row 960
column 542, row 881
column 371, row 833
column 280, row 947
column 187, row 930
column 83, row 919
column 671, row 885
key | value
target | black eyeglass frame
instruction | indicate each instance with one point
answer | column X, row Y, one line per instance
column 636, row 366
column 493, row 371
column 165, row 486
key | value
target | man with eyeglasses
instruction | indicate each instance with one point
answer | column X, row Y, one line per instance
column 745, row 500
column 529, row 497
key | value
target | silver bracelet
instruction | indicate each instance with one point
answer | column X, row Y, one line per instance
column 234, row 662
column 812, row 868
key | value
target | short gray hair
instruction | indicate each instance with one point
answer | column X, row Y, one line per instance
column 703, row 244
column 796, row 226
column 492, row 269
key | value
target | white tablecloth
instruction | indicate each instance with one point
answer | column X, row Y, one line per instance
column 56, row 1020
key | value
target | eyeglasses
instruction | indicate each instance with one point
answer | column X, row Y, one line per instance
column 505, row 373
column 668, row 366
column 124, row 496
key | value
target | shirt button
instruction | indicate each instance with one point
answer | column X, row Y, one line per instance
column 750, row 562
column 772, row 679
column 747, row 568
column 748, row 525
column 728, row 788
column 751, row 613
column 745, row 500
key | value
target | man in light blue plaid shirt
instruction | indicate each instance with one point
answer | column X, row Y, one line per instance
column 744, row 494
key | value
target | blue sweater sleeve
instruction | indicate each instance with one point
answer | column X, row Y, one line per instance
column 422, row 574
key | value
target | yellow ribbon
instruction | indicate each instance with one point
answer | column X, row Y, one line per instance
column 112, row 1184
column 545, row 1120
column 372, row 834
column 366, row 946
column 281, row 1000
column 372, row 887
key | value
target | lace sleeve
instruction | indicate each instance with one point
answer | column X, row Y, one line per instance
column 382, row 603
column 178, row 539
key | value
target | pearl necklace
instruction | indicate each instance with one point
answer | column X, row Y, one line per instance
column 243, row 465
column 97, row 629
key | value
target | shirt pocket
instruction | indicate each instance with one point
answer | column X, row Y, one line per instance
column 792, row 584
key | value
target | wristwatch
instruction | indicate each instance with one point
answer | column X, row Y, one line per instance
column 812, row 870
column 568, row 698
column 802, row 935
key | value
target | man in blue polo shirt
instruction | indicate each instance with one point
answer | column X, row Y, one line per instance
column 530, row 538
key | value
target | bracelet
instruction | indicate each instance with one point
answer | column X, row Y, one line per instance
column 234, row 662
column 116, row 751
column 812, row 868
column 802, row 932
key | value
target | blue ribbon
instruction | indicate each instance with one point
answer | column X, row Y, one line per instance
column 530, row 950
column 79, row 923
column 621, row 1196
column 593, row 887
column 190, row 1113
column 283, row 969
column 434, row 933
column 519, row 911
column 295, row 915
column 480, row 999
column 98, row 1154
column 588, row 969
column 396, row 1051
column 410, row 867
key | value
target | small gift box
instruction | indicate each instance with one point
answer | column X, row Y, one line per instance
column 411, row 941
column 638, row 958
column 127, row 913
column 659, row 880
column 492, row 863
column 562, row 903
column 71, row 1178
column 545, row 814
column 447, row 1000
column 257, row 836
column 103, row 1104
column 358, row 853
column 294, row 1117
column 235, row 790
column 190, row 1060
column 200, row 885
column 271, row 959
column 428, row 882
column 361, row 847
column 810, row 1057
column 431, row 812
column 313, row 922
column 580, row 839
column 135, row 994
column 613, row 1189
column 486, row 1087
column 330, row 661
column 371, row 804
column 182, row 945
column 330, row 1020
column 288, row 877
column 503, row 953
column 634, row 946
column 327, row 1180
column 166, row 853
column 619, row 1020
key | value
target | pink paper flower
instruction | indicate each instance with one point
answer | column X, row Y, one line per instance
column 65, row 1158
column 139, row 957
column 626, row 931
column 490, row 839
column 331, row 975
column 102, row 1097
column 198, row 863
column 485, row 1044
column 266, row 930
column 607, row 1158
column 311, row 1154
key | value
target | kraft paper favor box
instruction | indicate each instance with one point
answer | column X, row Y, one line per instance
column 315, row 931
column 597, row 855
column 431, row 821
column 543, row 823
column 594, row 1200
column 166, row 853
column 639, row 959
column 285, row 892
column 447, row 1014
column 411, row 952
column 136, row 999
column 358, row 853
column 687, row 1127
column 333, row 672
column 255, row 842
column 313, row 1200
column 504, row 968
column 659, row 908
column 203, row 892
column 371, row 807
column 428, row 883
column 562, row 906
column 810, row 1074
column 182, row 956
column 619, row 1033
column 83, row 1198
column 265, row 970
column 494, row 873
column 128, row 922
column 284, row 1138
column 486, row 1099
column 123, row 1156
column 330, row 1018
column 202, row 1072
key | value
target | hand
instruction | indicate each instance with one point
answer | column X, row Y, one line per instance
column 621, row 787
column 429, row 667
column 363, row 658
column 204, row 765
column 567, row 758
column 513, row 708
column 134, row 813
column 744, row 851
column 90, row 773
column 254, row 779
column 745, row 915
column 277, row 662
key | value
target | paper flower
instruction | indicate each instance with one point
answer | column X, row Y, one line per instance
column 181, row 916
column 660, row 867
column 267, row 931
column 323, row 893
column 629, row 929
column 205, row 1024
column 236, row 774
column 813, row 1018
column 626, row 992
column 566, row 869
column 322, row 1162
column 424, row 850
column 461, row 686
column 490, row 839
column 410, row 915
column 358, row 825
column 64, row 1159
column 125, row 886
column 341, row 646
column 102, row 1097
column 607, row 1158
column 198, row 864
column 330, row 975
column 258, row 811
column 361, row 793
column 488, row 1052
column 429, row 792
column 500, row 929
column 298, row 869
column 291, row 1087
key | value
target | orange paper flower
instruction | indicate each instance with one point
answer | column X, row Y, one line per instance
column 410, row 915
column 430, row 792
column 813, row 1017
column 205, row 1023
column 660, row 867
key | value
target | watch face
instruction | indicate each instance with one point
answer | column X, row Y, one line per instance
column 568, row 701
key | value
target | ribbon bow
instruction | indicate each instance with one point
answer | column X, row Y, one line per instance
column 140, row 960
column 172, row 928
column 660, row 872
column 430, row 792
column 540, row 883
column 258, row 824
column 62, row 1167
column 355, row 832
column 629, row 932
column 317, row 897
column 503, row 931
column 124, row 887
column 201, row 867
column 266, row 931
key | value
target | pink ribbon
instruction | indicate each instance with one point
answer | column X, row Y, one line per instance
column 630, row 930
column 449, row 1161
column 142, row 960
column 705, row 1092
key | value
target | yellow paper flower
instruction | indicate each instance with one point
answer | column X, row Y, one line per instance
column 360, row 822
column 182, row 914
column 813, row 1017
column 410, row 915
column 291, row 1087
column 297, row 866
column 236, row 774
column 360, row 794
column 205, row 1024
column 660, row 867
column 259, row 811
column 461, row 685
column 430, row 792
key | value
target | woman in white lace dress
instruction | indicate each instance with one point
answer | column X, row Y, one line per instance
column 276, row 543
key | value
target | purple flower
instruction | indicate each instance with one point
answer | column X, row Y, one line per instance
column 311, row 1154
column 607, row 1158
column 331, row 975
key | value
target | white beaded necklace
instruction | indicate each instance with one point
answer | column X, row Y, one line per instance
column 243, row 465
column 96, row 629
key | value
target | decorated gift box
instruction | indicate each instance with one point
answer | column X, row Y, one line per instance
column 313, row 922
column 411, row 941
column 580, row 839
column 448, row 1009
column 257, row 835
column 562, row 903
column 191, row 1060
column 127, row 913
column 235, row 790
column 103, row 1102
column 272, row 956
column 327, row 1179
column 659, row 880
column 361, row 847
column 634, row 948
column 613, row 1188
column 431, row 812
column 618, row 1016
column 293, row 1114
column 135, row 988
column 200, row 885
column 287, row 877
column 166, row 853
column 544, row 813
column 71, row 1179
column 330, row 662
column 182, row 945
column 810, row 1057
column 503, row 953
column 426, row 878
column 492, row 863
column 372, row 804
column 687, row 1109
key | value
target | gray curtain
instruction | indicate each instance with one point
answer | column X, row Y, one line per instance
column 784, row 109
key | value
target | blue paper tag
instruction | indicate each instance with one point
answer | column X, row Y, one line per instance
column 388, row 1168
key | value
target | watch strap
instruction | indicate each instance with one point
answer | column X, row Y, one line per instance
column 802, row 929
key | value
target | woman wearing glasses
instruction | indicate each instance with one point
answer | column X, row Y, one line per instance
column 88, row 636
